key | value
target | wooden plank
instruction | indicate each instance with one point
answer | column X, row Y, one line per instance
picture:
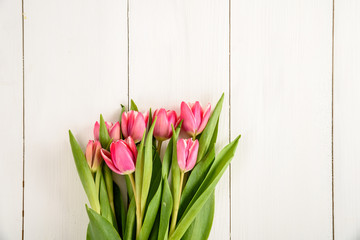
column 346, row 119
column 179, row 51
column 281, row 103
column 11, row 97
column 75, row 69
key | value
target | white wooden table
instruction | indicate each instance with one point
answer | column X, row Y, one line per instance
column 290, row 70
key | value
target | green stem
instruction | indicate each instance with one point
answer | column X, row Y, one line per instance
column 137, row 201
column 176, row 207
column 159, row 146
column 97, row 185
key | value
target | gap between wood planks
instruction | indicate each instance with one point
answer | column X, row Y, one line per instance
column 230, row 116
column 332, row 121
column 23, row 113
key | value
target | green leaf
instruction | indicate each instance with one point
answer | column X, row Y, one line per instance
column 146, row 177
column 206, row 136
column 166, row 209
column 217, row 169
column 104, row 202
column 130, row 221
column 121, row 113
column 167, row 159
column 129, row 187
column 139, row 169
column 155, row 177
column 168, row 154
column 175, row 171
column 197, row 176
column 133, row 106
column 84, row 172
column 100, row 228
column 98, row 177
column 89, row 233
column 151, row 215
column 214, row 136
column 150, row 118
column 104, row 137
column 120, row 210
column 109, row 186
column 200, row 228
column 155, row 228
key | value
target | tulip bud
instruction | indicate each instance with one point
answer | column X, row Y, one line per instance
column 93, row 155
column 113, row 130
column 122, row 156
column 134, row 124
column 194, row 117
column 187, row 151
column 165, row 119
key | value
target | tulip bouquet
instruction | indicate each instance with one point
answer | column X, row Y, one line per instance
column 169, row 194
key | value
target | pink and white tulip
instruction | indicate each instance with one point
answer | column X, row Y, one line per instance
column 93, row 155
column 165, row 119
column 113, row 130
column 122, row 156
column 194, row 117
column 187, row 151
column 134, row 124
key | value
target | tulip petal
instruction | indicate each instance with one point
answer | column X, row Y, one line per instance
column 146, row 118
column 161, row 130
column 97, row 155
column 114, row 132
column 130, row 142
column 188, row 118
column 122, row 157
column 130, row 123
column 108, row 125
column 181, row 154
column 172, row 120
column 124, row 121
column 89, row 153
column 138, row 128
column 192, row 157
column 197, row 111
column 205, row 119
column 96, row 130
column 107, row 158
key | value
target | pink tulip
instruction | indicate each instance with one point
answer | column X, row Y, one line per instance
column 113, row 130
column 93, row 155
column 187, row 151
column 165, row 119
column 194, row 117
column 134, row 124
column 122, row 156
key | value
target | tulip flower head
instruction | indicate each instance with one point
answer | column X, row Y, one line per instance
column 122, row 156
column 165, row 119
column 194, row 117
column 113, row 129
column 93, row 155
column 187, row 151
column 134, row 124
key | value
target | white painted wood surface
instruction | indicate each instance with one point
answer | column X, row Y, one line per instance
column 11, row 110
column 278, row 96
column 76, row 68
column 179, row 52
column 347, row 119
column 281, row 103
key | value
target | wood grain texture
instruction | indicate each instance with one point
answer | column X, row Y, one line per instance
column 75, row 69
column 11, row 109
column 179, row 51
column 347, row 119
column 281, row 103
